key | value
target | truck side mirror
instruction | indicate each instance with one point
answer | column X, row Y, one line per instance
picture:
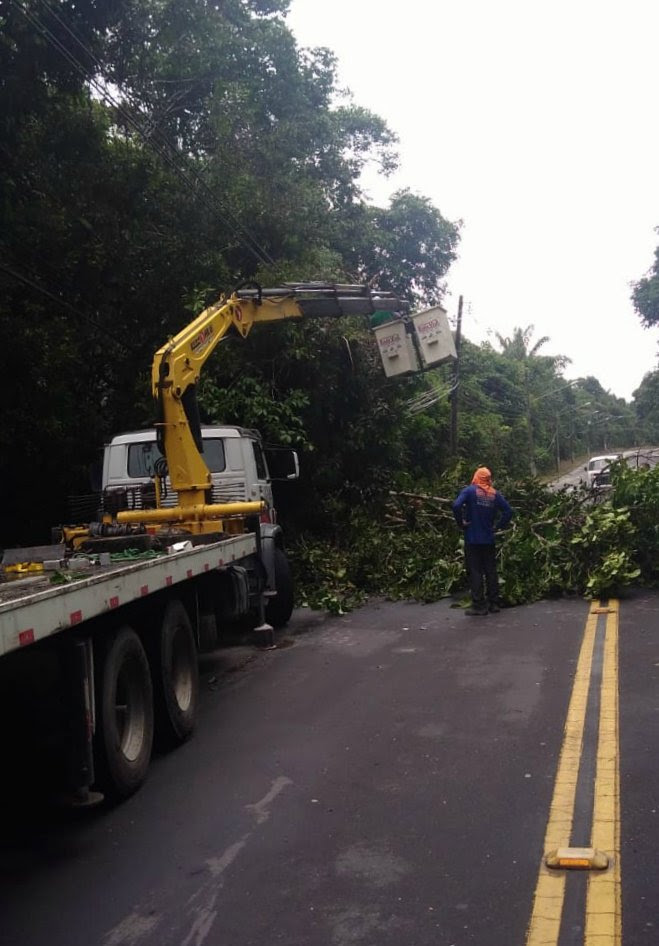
column 296, row 467
column 283, row 463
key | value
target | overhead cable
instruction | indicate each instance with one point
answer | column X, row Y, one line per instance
column 62, row 302
column 194, row 182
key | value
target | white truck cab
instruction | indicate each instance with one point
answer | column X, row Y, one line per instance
column 238, row 464
column 235, row 457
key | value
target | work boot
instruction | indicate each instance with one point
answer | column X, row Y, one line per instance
column 476, row 611
column 494, row 608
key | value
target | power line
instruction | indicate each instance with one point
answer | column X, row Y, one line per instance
column 62, row 302
column 567, row 386
column 73, row 36
column 490, row 404
column 165, row 153
column 130, row 119
column 99, row 65
column 419, row 403
column 258, row 252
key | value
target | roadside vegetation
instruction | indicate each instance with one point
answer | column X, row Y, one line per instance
column 561, row 542
column 177, row 149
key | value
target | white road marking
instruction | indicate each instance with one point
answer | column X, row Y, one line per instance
column 201, row 905
column 262, row 808
column 132, row 928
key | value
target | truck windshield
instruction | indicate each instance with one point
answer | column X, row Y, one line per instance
column 142, row 457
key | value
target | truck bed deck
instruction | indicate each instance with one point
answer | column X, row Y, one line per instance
column 32, row 609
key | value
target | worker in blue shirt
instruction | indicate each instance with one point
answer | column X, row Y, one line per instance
column 479, row 510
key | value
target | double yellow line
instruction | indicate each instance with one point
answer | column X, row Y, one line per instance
column 603, row 919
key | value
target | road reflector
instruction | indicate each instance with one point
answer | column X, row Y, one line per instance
column 603, row 610
column 577, row 858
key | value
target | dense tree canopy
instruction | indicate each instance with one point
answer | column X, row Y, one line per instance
column 154, row 152
column 646, row 294
column 646, row 400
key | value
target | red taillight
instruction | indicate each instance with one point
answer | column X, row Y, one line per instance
column 269, row 515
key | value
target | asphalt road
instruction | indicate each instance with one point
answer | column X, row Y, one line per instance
column 382, row 778
column 635, row 458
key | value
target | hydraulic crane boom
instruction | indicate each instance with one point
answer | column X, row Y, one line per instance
column 177, row 368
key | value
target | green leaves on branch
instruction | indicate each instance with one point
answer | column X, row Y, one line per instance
column 614, row 572
column 250, row 403
column 408, row 546
column 645, row 295
column 637, row 491
column 646, row 400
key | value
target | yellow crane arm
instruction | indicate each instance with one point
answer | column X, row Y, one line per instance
column 177, row 365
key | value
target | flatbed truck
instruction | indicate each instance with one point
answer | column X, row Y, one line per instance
column 99, row 656
column 105, row 661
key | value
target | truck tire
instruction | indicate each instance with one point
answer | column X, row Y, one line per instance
column 279, row 609
column 176, row 677
column 124, row 735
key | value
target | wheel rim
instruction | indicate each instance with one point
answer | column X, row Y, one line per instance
column 130, row 709
column 182, row 669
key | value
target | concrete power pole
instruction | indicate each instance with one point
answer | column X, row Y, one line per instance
column 456, row 378
column 558, row 447
column 529, row 421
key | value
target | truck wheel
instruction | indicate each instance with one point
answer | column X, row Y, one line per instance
column 176, row 674
column 125, row 725
column 279, row 609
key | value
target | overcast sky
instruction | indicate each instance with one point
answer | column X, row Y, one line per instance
column 536, row 124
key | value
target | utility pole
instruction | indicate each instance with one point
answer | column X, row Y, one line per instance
column 572, row 439
column 456, row 378
column 558, row 449
column 529, row 422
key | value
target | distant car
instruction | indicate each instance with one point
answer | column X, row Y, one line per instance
column 597, row 470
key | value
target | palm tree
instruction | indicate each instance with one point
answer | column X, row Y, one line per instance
column 520, row 349
column 517, row 347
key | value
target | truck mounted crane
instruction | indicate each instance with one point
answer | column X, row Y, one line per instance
column 175, row 376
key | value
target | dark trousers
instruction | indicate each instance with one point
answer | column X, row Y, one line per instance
column 481, row 564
